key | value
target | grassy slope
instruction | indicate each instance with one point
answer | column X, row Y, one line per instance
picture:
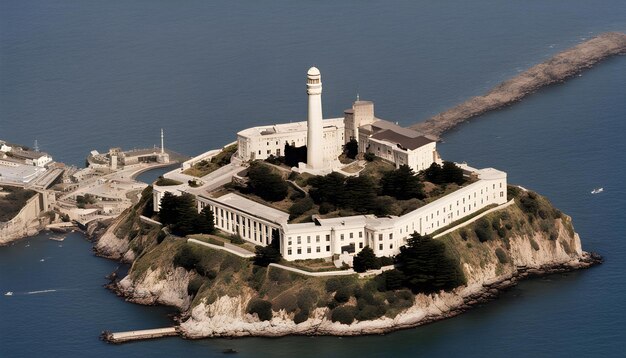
column 226, row 274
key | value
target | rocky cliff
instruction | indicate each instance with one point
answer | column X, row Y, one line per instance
column 215, row 298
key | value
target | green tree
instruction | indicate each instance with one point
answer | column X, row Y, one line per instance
column 168, row 213
column 402, row 184
column 360, row 194
column 366, row 260
column 265, row 255
column 327, row 189
column 205, row 223
column 265, row 183
column 426, row 266
column 352, row 148
column 452, row 173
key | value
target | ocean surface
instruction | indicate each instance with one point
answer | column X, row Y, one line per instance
column 78, row 75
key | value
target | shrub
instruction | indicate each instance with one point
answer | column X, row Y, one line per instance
column 325, row 208
column 366, row 260
column 386, row 261
column 268, row 254
column 343, row 294
column 194, row 285
column 301, row 316
column 186, row 258
column 261, row 307
column 369, row 156
column 335, row 283
column 464, row 235
column 257, row 278
column 483, row 230
column 501, row 256
column 236, row 239
column 161, row 236
column 343, row 314
column 161, row 181
column 300, row 207
column 553, row 235
column 391, row 280
column 369, row 312
column 534, row 244
column 306, row 299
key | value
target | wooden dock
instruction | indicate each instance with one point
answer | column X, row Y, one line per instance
column 122, row 337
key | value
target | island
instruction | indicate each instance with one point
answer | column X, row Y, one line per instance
column 344, row 226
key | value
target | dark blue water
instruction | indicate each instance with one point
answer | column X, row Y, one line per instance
column 78, row 75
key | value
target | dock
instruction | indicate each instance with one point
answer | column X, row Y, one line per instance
column 129, row 336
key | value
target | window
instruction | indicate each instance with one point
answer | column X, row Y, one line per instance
column 380, row 246
column 351, row 235
column 391, row 246
column 502, row 194
column 390, row 236
column 299, row 251
column 380, row 237
column 328, row 248
column 308, row 250
column 327, row 237
column 269, row 151
column 317, row 238
column 341, row 236
column 289, row 251
column 308, row 239
column 318, row 249
column 360, row 234
column 299, row 241
column 360, row 245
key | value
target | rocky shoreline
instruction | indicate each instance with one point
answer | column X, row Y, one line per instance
column 557, row 69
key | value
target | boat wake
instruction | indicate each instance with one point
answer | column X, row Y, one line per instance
column 38, row 292
column 11, row 293
column 597, row 190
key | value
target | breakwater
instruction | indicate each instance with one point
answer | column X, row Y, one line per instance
column 557, row 69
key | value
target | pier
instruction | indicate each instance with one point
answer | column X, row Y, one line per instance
column 129, row 336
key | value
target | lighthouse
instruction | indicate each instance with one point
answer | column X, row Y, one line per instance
column 315, row 157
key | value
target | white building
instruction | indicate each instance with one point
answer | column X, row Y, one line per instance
column 261, row 142
column 324, row 238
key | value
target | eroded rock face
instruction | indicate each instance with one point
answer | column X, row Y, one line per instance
column 158, row 287
column 528, row 254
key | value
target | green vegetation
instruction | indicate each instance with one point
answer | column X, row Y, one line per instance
column 12, row 200
column 402, row 184
column 448, row 173
column 300, row 207
column 182, row 217
column 294, row 155
column 351, row 148
column 206, row 167
column 265, row 183
column 366, row 260
column 424, row 266
column 83, row 200
column 261, row 307
column 266, row 255
column 161, row 181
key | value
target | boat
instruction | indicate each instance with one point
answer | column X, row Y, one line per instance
column 10, row 293
column 597, row 190
column 229, row 351
column 57, row 238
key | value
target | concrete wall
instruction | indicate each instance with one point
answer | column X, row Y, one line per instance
column 25, row 223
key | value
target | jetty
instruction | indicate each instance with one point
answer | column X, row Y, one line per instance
column 557, row 69
column 122, row 337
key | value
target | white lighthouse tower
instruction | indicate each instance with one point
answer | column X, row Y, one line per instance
column 314, row 146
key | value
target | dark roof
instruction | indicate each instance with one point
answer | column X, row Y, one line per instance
column 402, row 140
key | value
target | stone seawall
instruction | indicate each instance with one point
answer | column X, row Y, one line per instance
column 557, row 69
column 25, row 223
